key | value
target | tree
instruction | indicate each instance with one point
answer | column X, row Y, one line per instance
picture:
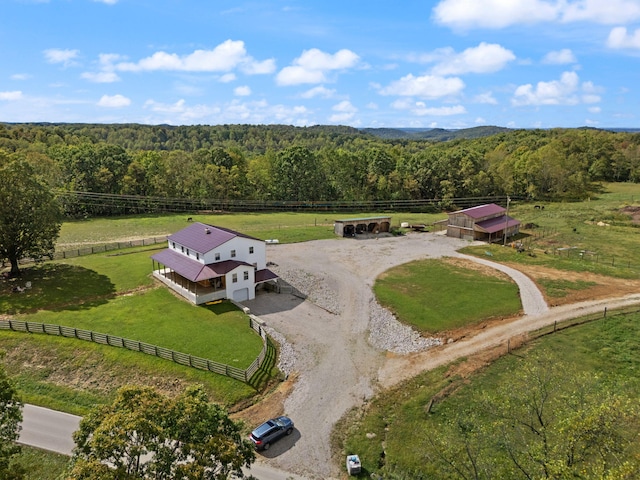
column 144, row 434
column 544, row 421
column 10, row 418
column 30, row 217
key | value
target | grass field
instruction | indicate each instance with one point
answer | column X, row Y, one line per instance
column 392, row 432
column 286, row 227
column 114, row 294
column 436, row 295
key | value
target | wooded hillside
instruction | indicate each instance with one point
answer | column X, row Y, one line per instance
column 321, row 163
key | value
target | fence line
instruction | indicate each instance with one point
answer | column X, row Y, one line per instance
column 108, row 247
column 137, row 346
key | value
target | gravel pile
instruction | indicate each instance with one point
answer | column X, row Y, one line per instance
column 385, row 332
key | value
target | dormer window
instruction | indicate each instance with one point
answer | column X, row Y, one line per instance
column 233, row 253
column 250, row 250
column 217, row 257
column 197, row 256
column 182, row 248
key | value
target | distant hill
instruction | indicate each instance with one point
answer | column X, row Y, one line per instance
column 435, row 134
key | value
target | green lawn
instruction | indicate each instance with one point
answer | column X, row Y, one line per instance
column 433, row 295
column 115, row 294
column 42, row 465
column 156, row 316
column 286, row 227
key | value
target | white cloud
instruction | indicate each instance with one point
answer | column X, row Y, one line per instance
column 493, row 13
column 344, row 106
column 485, row 58
column 313, row 65
column 66, row 57
column 345, row 112
column 559, row 57
column 467, row 14
column 297, row 75
column 566, row 91
column 227, row 78
column 620, row 38
column 242, row 91
column 108, row 2
column 101, row 77
column 114, row 101
column 225, row 57
column 9, row 96
column 421, row 109
column 487, row 98
column 594, row 109
column 20, row 76
column 319, row 91
column 427, row 86
column 606, row 12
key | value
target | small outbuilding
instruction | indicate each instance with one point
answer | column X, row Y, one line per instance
column 484, row 222
column 357, row 226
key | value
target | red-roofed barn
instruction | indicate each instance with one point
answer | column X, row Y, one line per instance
column 205, row 263
column 484, row 222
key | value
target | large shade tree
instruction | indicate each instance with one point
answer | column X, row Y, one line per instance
column 30, row 217
column 145, row 435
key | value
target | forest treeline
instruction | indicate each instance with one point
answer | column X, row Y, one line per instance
column 322, row 163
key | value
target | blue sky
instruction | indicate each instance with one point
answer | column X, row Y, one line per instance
column 446, row 64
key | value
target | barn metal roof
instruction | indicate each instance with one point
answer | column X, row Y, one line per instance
column 482, row 210
column 494, row 225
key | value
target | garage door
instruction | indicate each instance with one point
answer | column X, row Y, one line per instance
column 241, row 295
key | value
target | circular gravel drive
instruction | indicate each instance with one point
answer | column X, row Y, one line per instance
column 343, row 347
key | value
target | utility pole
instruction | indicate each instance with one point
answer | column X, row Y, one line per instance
column 506, row 222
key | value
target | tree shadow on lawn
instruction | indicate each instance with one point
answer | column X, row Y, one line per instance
column 54, row 287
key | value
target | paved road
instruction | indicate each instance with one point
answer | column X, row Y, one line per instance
column 52, row 430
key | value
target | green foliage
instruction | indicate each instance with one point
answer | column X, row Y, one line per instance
column 278, row 163
column 434, row 295
column 144, row 434
column 564, row 407
column 30, row 217
column 10, row 418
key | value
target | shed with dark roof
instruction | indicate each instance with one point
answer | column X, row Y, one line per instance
column 356, row 226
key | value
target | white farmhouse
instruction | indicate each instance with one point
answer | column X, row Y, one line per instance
column 205, row 263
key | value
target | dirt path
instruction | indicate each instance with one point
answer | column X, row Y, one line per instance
column 336, row 367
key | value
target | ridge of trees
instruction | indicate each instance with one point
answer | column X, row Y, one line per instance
column 319, row 163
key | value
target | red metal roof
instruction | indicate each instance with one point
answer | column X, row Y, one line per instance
column 203, row 238
column 264, row 275
column 193, row 270
column 497, row 224
column 482, row 210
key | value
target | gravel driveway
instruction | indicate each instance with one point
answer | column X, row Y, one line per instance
column 344, row 347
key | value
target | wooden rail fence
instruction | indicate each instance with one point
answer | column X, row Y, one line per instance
column 137, row 346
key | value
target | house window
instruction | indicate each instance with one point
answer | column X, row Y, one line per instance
column 233, row 253
column 246, row 275
column 234, row 278
column 197, row 256
column 187, row 252
column 182, row 248
column 250, row 250
column 217, row 257
column 173, row 245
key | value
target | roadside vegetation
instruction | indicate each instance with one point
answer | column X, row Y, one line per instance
column 566, row 403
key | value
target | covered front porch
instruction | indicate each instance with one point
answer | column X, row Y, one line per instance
column 198, row 292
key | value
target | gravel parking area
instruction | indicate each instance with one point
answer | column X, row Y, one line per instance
column 343, row 347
